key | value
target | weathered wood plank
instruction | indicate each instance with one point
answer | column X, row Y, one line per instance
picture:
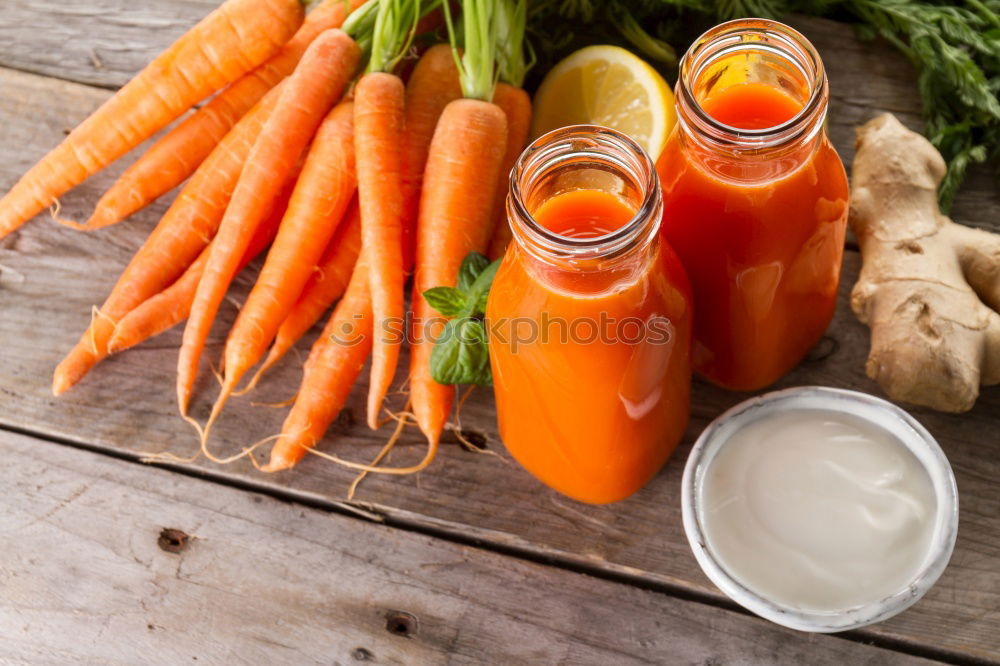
column 51, row 276
column 100, row 42
column 262, row 581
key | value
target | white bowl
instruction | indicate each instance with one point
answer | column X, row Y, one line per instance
column 880, row 413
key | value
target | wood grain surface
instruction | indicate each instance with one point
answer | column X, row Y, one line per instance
column 91, row 577
column 51, row 276
column 100, row 42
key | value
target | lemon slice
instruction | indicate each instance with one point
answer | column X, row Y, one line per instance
column 607, row 85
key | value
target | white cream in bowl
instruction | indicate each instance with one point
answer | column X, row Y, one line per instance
column 820, row 509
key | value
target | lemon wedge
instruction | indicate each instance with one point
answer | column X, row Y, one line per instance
column 609, row 86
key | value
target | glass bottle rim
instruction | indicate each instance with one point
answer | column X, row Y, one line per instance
column 726, row 39
column 602, row 144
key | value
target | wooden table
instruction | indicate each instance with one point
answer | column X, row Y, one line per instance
column 471, row 561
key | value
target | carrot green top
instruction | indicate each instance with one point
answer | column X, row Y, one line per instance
column 384, row 29
column 510, row 45
column 359, row 26
column 477, row 59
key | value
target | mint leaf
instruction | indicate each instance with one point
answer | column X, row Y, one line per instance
column 477, row 295
column 461, row 355
column 473, row 264
column 449, row 301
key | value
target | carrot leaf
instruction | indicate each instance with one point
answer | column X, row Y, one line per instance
column 384, row 30
column 360, row 23
column 510, row 44
column 475, row 51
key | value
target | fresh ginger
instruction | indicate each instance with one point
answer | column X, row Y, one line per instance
column 929, row 289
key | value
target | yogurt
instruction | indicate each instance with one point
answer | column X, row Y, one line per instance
column 818, row 510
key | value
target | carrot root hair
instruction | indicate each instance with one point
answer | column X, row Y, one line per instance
column 402, row 420
column 220, row 402
column 257, row 376
column 460, row 436
column 95, row 314
column 276, row 405
column 54, row 210
column 432, row 450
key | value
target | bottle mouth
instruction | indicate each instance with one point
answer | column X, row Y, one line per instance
column 757, row 49
column 581, row 157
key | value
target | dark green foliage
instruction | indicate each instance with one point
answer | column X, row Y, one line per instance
column 955, row 47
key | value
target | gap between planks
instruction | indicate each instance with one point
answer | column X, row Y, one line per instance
column 376, row 514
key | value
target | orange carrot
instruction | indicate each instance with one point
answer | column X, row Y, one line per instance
column 326, row 285
column 460, row 181
column 433, row 83
column 315, row 86
column 333, row 366
column 516, row 106
column 378, row 121
column 226, row 44
column 183, row 232
column 172, row 305
column 172, row 158
column 318, row 203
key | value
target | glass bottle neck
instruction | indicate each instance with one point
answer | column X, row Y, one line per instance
column 764, row 54
column 595, row 159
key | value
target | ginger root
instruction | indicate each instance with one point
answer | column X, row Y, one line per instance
column 929, row 289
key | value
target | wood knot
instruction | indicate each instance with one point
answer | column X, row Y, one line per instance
column 362, row 654
column 345, row 420
column 472, row 439
column 173, row 540
column 401, row 623
column 823, row 349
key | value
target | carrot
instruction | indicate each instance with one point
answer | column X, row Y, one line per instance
column 333, row 366
column 183, row 232
column 326, row 285
column 318, row 203
column 307, row 95
column 241, row 33
column 378, row 126
column 433, row 83
column 171, row 306
column 516, row 106
column 172, row 158
column 378, row 121
column 459, row 189
column 460, row 181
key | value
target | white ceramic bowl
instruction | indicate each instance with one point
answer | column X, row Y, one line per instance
column 880, row 413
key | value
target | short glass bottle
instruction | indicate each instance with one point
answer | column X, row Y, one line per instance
column 589, row 318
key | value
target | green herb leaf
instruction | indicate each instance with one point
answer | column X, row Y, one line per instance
column 461, row 356
column 473, row 264
column 479, row 292
column 449, row 301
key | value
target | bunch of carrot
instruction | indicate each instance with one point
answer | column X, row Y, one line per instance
column 315, row 146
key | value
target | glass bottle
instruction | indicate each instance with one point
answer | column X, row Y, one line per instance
column 589, row 318
column 755, row 200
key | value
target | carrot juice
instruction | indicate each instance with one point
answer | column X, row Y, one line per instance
column 755, row 200
column 589, row 319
